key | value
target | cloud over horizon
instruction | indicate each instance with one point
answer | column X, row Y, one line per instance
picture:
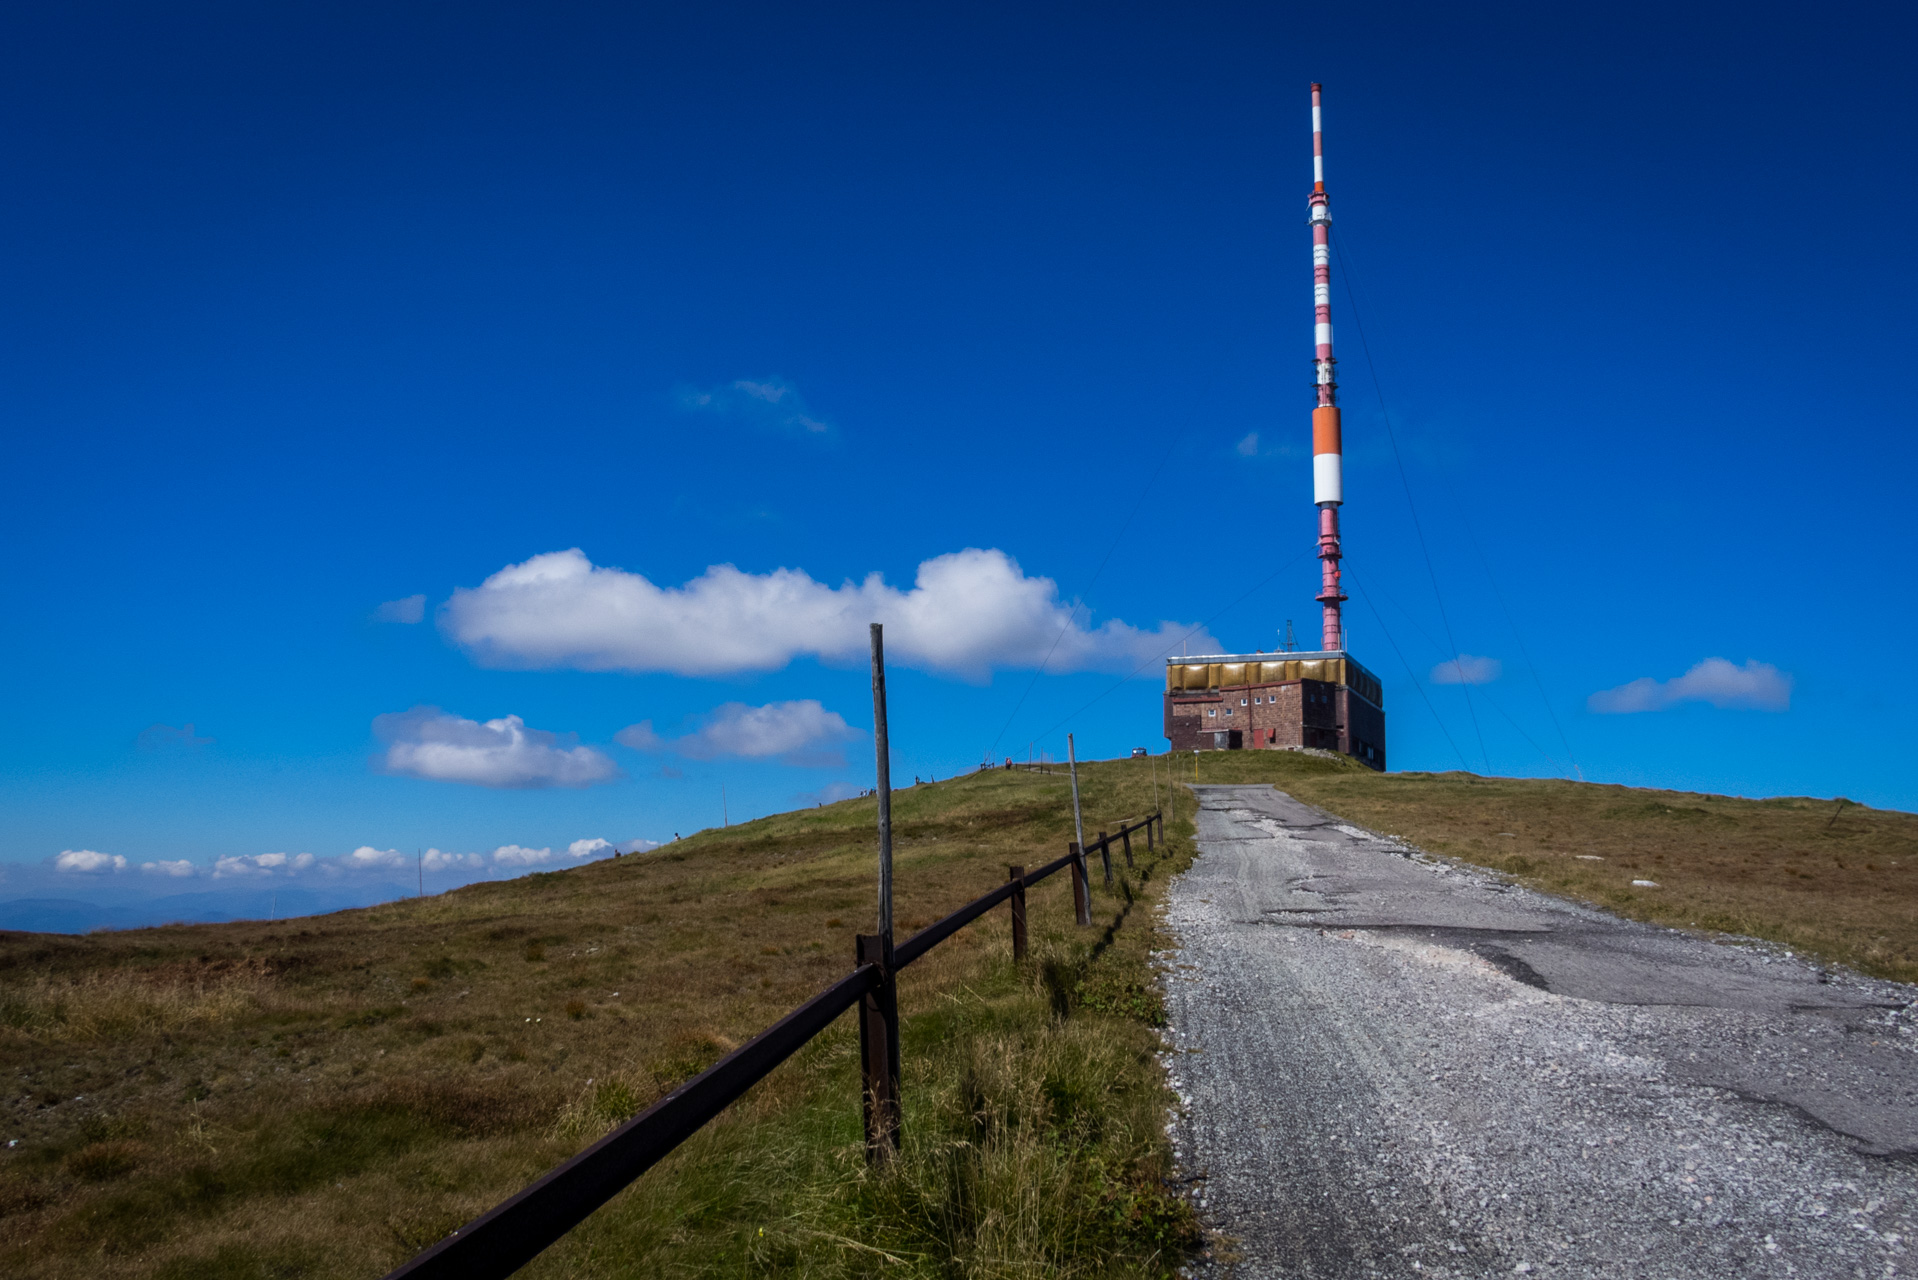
column 1467, row 669
column 515, row 855
column 364, row 864
column 427, row 742
column 261, row 864
column 1756, row 686
column 801, row 733
column 88, row 862
column 967, row 613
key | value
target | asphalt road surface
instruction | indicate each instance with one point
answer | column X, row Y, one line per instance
column 1394, row 1066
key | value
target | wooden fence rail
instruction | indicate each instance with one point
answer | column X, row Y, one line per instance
column 509, row 1235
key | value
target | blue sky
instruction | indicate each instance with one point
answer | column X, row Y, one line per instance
column 310, row 310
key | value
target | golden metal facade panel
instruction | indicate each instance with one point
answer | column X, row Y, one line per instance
column 1225, row 675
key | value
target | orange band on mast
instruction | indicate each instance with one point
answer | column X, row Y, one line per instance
column 1325, row 430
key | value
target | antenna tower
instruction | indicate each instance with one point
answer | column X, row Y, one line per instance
column 1327, row 478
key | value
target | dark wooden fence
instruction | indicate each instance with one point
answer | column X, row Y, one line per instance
column 509, row 1235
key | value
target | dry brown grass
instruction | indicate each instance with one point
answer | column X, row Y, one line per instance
column 321, row 1097
column 1832, row 878
column 116, row 1004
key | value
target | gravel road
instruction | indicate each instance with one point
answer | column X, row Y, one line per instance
column 1394, row 1066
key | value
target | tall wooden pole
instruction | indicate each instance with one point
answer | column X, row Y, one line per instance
column 1078, row 827
column 879, row 1009
column 883, row 759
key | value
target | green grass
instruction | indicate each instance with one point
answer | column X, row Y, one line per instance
column 1031, row 1145
column 323, row 1097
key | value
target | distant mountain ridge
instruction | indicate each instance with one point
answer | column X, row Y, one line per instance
column 71, row 915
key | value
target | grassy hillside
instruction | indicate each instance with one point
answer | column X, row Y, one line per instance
column 1832, row 878
column 322, row 1097
column 319, row 1098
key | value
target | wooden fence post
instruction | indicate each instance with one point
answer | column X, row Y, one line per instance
column 1126, row 835
column 1148, row 833
column 879, row 1052
column 1018, row 876
column 1105, row 856
column 1081, row 888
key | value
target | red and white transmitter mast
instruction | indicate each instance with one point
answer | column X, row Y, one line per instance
column 1328, row 490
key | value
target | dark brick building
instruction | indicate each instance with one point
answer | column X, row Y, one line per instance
column 1275, row 701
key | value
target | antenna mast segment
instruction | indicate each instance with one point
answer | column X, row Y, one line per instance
column 1327, row 468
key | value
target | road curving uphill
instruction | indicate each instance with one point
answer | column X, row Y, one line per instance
column 1392, row 1065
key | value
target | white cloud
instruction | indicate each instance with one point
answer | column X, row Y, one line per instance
column 407, row 610
column 1467, row 669
column 1248, row 447
column 262, row 864
column 797, row 733
column 513, row 855
column 966, row 613
column 428, row 743
column 597, row 848
column 1756, row 686
column 768, row 402
column 438, row 860
column 367, row 858
column 88, row 862
column 178, row 868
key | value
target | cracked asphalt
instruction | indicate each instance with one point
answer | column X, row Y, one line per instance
column 1392, row 1065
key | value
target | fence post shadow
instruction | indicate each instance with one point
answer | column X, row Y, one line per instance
column 1081, row 888
column 1018, row 877
column 879, row 1051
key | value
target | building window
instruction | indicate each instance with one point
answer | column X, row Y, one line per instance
column 1212, row 711
column 1228, row 710
column 1242, row 702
